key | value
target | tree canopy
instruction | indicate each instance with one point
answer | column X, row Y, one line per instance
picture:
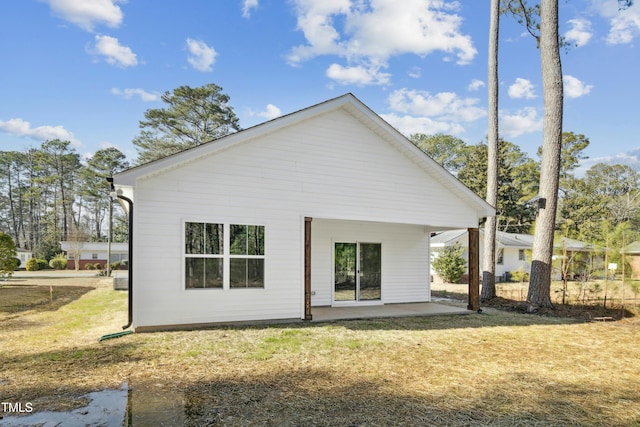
column 192, row 116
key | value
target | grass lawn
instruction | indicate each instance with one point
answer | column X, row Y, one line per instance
column 496, row 368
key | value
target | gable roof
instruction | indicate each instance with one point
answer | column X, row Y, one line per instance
column 347, row 102
column 503, row 239
column 632, row 248
column 448, row 237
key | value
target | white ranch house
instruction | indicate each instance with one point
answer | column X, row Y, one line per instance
column 23, row 255
column 93, row 253
column 327, row 206
column 513, row 250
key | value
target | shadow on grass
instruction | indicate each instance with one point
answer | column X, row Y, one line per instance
column 312, row 396
column 325, row 398
column 17, row 298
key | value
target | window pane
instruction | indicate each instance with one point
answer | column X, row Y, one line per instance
column 246, row 273
column 238, row 273
column 213, row 273
column 214, row 239
column 255, row 273
column 194, row 273
column 238, row 240
column 194, row 238
column 203, row 273
column 255, row 240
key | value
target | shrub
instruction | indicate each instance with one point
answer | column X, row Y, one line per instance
column 519, row 275
column 59, row 262
column 32, row 265
column 115, row 265
column 7, row 254
column 89, row 266
column 97, row 266
column 450, row 265
column 42, row 264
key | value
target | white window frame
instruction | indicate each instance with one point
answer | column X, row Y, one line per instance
column 226, row 256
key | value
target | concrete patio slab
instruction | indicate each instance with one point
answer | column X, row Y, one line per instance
column 326, row 314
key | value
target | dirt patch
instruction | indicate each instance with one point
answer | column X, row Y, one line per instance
column 511, row 297
column 16, row 298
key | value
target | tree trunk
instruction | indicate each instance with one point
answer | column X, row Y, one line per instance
column 539, row 294
column 490, row 226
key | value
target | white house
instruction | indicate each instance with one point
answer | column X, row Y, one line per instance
column 513, row 250
column 93, row 253
column 23, row 255
column 327, row 206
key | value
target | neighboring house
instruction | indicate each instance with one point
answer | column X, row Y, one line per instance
column 24, row 255
column 93, row 253
column 327, row 206
column 632, row 256
column 513, row 251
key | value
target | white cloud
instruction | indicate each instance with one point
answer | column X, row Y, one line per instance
column 409, row 125
column 475, row 85
column 247, row 5
column 442, row 112
column 131, row 92
column 201, row 57
column 358, row 75
column 271, row 112
column 523, row 121
column 630, row 158
column 113, row 52
column 86, row 14
column 580, row 32
column 415, row 72
column 574, row 88
column 367, row 33
column 22, row 128
column 624, row 24
column 522, row 88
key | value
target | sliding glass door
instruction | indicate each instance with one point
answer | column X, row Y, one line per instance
column 357, row 268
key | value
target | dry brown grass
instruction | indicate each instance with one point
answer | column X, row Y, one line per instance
column 497, row 368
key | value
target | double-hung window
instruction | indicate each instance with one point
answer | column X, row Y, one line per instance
column 246, row 256
column 204, row 255
column 223, row 256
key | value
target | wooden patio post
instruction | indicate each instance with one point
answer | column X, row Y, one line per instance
column 307, row 268
column 474, row 269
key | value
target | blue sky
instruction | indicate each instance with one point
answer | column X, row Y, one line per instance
column 87, row 70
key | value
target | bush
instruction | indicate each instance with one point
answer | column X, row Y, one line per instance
column 115, row 265
column 519, row 275
column 450, row 265
column 89, row 266
column 42, row 264
column 59, row 262
column 97, row 266
column 32, row 265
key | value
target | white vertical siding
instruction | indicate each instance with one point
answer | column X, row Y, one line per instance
column 330, row 166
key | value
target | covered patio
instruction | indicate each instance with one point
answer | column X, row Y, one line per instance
column 327, row 313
